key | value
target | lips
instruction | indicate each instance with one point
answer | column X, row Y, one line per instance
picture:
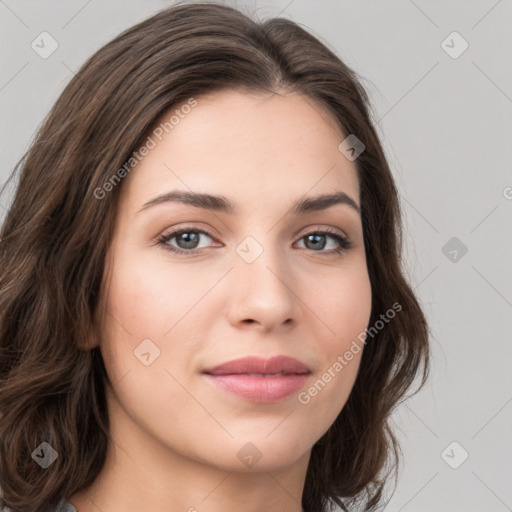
column 260, row 380
column 280, row 365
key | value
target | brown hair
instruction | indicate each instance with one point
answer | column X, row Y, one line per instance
column 55, row 237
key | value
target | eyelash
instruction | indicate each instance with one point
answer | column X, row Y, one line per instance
column 343, row 241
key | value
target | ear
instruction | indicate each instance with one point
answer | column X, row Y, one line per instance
column 88, row 341
column 89, row 336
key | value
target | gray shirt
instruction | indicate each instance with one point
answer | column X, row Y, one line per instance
column 65, row 506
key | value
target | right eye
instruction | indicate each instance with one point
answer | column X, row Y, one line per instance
column 190, row 240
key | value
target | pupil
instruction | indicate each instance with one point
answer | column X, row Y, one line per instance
column 190, row 239
column 317, row 237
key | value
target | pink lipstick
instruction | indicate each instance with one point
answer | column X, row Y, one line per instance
column 260, row 380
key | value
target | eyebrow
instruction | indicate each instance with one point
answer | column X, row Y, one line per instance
column 224, row 205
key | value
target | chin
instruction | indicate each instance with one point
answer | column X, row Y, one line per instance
column 259, row 453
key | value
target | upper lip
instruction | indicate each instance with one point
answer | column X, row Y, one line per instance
column 278, row 364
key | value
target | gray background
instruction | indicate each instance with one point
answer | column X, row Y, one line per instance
column 446, row 126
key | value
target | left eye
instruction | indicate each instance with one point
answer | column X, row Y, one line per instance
column 189, row 239
column 316, row 237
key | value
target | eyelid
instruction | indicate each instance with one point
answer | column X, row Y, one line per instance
column 344, row 242
column 327, row 228
column 208, row 231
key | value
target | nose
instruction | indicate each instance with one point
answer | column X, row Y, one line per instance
column 264, row 293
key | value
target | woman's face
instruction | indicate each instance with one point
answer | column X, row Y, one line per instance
column 246, row 283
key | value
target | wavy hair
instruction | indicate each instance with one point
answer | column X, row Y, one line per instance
column 56, row 234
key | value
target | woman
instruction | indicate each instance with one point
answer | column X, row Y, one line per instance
column 171, row 336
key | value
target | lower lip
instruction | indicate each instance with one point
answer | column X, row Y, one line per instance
column 260, row 389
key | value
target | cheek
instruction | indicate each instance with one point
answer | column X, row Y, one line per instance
column 148, row 300
column 345, row 307
column 343, row 304
column 351, row 321
column 149, row 306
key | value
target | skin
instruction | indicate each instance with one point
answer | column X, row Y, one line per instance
column 175, row 436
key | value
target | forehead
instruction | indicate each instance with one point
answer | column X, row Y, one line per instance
column 260, row 148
